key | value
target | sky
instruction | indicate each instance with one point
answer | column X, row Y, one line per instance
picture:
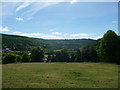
column 59, row 20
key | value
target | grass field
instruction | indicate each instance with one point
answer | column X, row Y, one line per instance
column 60, row 75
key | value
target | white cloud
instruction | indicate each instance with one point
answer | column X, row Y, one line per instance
column 48, row 37
column 35, row 8
column 74, row 35
column 31, row 7
column 65, row 34
column 25, row 4
column 17, row 32
column 97, row 37
column 57, row 33
column 5, row 29
column 59, row 38
column 31, row 34
column 81, row 34
column 73, row 1
column 19, row 19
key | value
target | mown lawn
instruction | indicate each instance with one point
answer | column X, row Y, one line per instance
column 60, row 75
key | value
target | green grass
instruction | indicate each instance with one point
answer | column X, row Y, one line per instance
column 60, row 75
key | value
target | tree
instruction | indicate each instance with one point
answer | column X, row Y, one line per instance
column 89, row 54
column 53, row 59
column 64, row 56
column 109, row 48
column 18, row 58
column 26, row 57
column 85, row 54
column 72, row 57
column 78, row 56
column 37, row 54
column 58, row 56
column 9, row 58
column 49, row 58
column 93, row 54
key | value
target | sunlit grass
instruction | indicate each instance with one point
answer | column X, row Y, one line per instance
column 60, row 75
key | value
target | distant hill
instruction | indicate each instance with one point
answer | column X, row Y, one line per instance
column 20, row 42
column 24, row 43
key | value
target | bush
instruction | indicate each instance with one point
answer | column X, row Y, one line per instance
column 9, row 58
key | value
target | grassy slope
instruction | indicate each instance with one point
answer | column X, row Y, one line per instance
column 60, row 75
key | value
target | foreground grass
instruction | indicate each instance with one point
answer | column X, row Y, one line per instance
column 60, row 75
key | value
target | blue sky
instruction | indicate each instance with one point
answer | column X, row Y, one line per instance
column 59, row 20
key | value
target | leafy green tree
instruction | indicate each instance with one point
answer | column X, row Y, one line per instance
column 19, row 58
column 9, row 58
column 53, row 59
column 85, row 54
column 58, row 56
column 89, row 54
column 37, row 54
column 78, row 56
column 93, row 54
column 109, row 48
column 26, row 57
column 64, row 56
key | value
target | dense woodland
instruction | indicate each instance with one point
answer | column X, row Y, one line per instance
column 17, row 49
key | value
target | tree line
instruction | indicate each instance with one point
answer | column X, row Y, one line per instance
column 105, row 49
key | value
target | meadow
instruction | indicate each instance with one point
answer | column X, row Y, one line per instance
column 60, row 75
